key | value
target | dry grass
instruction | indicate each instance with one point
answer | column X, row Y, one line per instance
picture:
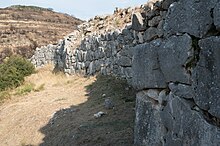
column 22, row 30
column 62, row 112
column 4, row 95
column 29, row 112
column 46, row 78
column 24, row 89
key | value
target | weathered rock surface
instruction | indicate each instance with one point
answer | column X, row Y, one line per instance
column 147, row 122
column 146, row 68
column 150, row 34
column 152, row 93
column 181, row 90
column 216, row 15
column 137, row 22
column 44, row 55
column 206, row 76
column 185, row 126
column 191, row 16
column 124, row 61
column 173, row 54
column 177, row 123
column 154, row 21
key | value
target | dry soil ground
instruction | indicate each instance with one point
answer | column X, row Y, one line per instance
column 62, row 113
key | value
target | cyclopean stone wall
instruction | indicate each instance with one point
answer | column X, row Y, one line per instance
column 178, row 76
column 170, row 53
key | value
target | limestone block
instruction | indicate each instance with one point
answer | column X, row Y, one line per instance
column 150, row 34
column 174, row 124
column 145, row 67
column 191, row 16
column 181, row 90
column 124, row 61
column 154, row 21
column 173, row 55
column 137, row 22
column 206, row 76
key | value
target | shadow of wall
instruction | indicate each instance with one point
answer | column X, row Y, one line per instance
column 76, row 126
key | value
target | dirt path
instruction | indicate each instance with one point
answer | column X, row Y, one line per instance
column 21, row 118
column 62, row 114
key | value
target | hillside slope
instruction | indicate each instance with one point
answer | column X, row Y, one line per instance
column 23, row 28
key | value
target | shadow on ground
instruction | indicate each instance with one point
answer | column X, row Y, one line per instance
column 76, row 126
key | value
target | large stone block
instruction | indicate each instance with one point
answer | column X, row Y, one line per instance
column 185, row 126
column 191, row 16
column 150, row 34
column 145, row 66
column 206, row 76
column 92, row 68
column 148, row 126
column 124, row 61
column 173, row 55
column 138, row 22
column 127, row 51
column 173, row 124
column 154, row 21
column 181, row 90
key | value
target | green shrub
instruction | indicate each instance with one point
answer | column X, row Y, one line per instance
column 13, row 70
column 25, row 89
column 23, row 66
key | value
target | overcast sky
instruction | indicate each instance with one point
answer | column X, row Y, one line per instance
column 83, row 9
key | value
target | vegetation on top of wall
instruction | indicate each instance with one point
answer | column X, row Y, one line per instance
column 13, row 70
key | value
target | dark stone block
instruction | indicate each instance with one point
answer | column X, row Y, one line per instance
column 206, row 76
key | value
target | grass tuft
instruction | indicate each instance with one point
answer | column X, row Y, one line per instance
column 4, row 95
column 39, row 88
column 25, row 89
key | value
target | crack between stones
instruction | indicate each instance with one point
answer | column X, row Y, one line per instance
column 160, row 70
column 206, row 115
column 212, row 31
column 211, row 13
column 176, row 83
column 192, row 62
column 190, row 65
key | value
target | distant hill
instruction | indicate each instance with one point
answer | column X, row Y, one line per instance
column 23, row 28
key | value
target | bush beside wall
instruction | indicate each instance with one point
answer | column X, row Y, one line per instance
column 13, row 71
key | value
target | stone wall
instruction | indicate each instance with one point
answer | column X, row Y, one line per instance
column 169, row 52
column 101, row 46
column 178, row 76
column 43, row 55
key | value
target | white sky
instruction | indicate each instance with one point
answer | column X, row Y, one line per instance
column 83, row 9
